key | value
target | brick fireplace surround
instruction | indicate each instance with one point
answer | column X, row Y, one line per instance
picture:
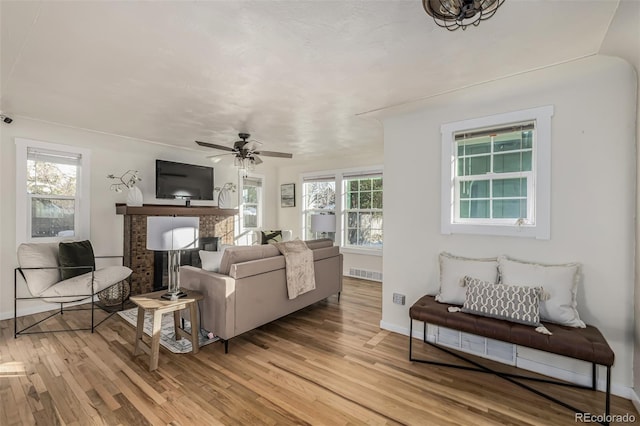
column 214, row 222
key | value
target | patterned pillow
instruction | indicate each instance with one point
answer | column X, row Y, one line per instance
column 512, row 303
column 270, row 237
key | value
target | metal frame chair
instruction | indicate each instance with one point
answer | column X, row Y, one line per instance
column 64, row 299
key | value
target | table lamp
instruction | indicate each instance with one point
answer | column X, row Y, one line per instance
column 172, row 234
column 323, row 223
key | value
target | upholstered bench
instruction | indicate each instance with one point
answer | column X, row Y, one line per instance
column 586, row 344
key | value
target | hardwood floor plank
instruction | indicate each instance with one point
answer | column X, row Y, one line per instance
column 327, row 364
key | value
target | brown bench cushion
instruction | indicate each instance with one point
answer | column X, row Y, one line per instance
column 586, row 344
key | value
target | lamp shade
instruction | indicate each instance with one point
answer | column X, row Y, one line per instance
column 323, row 223
column 166, row 233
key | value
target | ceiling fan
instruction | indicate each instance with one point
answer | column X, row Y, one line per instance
column 245, row 151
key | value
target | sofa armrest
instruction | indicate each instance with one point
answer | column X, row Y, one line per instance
column 217, row 309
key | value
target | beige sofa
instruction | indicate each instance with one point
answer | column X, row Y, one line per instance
column 250, row 288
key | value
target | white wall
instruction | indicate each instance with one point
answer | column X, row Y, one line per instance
column 291, row 217
column 592, row 200
column 110, row 154
column 623, row 40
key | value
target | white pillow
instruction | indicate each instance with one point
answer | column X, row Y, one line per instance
column 453, row 269
column 560, row 281
column 211, row 260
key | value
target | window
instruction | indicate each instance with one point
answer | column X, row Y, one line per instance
column 251, row 202
column 353, row 198
column 496, row 174
column 54, row 181
column 318, row 197
column 363, row 210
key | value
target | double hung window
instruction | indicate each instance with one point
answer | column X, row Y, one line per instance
column 318, row 197
column 496, row 174
column 251, row 202
column 363, row 209
column 55, row 186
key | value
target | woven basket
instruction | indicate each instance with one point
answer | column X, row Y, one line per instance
column 115, row 294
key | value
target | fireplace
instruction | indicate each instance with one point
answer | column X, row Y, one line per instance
column 187, row 257
column 214, row 222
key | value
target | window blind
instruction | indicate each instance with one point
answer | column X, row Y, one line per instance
column 56, row 157
column 516, row 127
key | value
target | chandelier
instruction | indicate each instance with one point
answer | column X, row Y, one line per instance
column 454, row 14
column 245, row 165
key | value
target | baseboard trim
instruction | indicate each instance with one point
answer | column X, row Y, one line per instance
column 635, row 399
column 538, row 367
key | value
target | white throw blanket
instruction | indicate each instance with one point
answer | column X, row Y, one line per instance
column 298, row 259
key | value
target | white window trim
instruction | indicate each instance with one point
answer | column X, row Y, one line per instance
column 542, row 161
column 83, row 187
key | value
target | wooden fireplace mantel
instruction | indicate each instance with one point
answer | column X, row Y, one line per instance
column 173, row 210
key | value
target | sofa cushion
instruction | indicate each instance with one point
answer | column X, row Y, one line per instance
column 74, row 254
column 453, row 269
column 39, row 255
column 210, row 260
column 560, row 281
column 238, row 254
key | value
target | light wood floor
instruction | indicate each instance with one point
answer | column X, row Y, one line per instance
column 327, row 364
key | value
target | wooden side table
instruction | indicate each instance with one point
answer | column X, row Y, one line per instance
column 157, row 306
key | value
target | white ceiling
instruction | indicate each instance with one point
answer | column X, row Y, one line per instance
column 295, row 74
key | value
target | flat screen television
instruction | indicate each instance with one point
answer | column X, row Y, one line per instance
column 186, row 181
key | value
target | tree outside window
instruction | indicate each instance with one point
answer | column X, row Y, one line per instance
column 318, row 197
column 51, row 188
column 364, row 212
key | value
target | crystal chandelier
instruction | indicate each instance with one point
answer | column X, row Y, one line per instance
column 454, row 14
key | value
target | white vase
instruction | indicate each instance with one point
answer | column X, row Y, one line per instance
column 134, row 197
column 224, row 199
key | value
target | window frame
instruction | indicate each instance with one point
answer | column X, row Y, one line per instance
column 346, row 178
column 82, row 214
column 539, row 188
column 259, row 205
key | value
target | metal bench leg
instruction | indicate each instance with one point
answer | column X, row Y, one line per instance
column 410, row 337
column 608, row 396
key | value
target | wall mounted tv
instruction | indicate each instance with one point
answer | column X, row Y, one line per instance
column 186, row 181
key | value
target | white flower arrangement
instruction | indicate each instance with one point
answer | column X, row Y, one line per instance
column 127, row 180
column 229, row 186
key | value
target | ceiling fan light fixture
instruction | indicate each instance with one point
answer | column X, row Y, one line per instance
column 454, row 14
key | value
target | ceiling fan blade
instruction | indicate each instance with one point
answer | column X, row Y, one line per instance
column 214, row 146
column 274, row 154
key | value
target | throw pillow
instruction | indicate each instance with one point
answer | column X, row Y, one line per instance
column 270, row 237
column 453, row 269
column 560, row 281
column 211, row 260
column 77, row 253
column 505, row 302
